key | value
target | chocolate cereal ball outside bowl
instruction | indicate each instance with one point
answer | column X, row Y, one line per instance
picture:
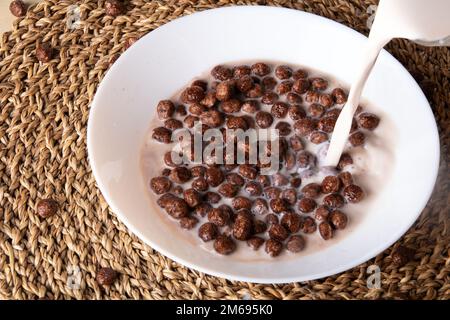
column 158, row 67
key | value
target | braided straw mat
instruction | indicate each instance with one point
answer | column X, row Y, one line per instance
column 44, row 113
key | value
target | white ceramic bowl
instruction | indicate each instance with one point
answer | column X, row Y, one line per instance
column 164, row 60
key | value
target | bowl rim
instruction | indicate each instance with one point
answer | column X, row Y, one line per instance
column 343, row 267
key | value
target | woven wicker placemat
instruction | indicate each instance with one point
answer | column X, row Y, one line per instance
column 43, row 117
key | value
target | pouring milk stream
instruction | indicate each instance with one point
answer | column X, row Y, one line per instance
column 426, row 22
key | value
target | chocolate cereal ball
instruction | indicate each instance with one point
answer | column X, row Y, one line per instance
column 228, row 190
column 273, row 247
column 196, row 109
column 18, row 8
column 325, row 230
column 214, row 176
column 241, row 203
column 190, row 121
column 331, row 184
column 344, row 161
column 198, row 171
column 192, row 197
column 295, row 142
column 178, row 190
column 278, row 232
column 312, row 96
column 162, row 134
column 353, row 193
column 47, row 208
column 263, row 119
column 188, row 223
column 240, row 71
column 177, row 208
column 305, row 160
column 106, row 276
column 200, row 184
column 293, row 98
column 346, row 178
column 322, row 213
column 253, row 188
column 165, row 109
column 260, row 206
column 402, row 255
column 256, row 92
column 224, row 90
column 305, row 126
column 180, row 175
column 250, row 106
column 209, row 100
column 259, row 226
column 221, row 73
column 300, row 74
column 279, row 180
column 202, row 209
column 236, row 123
column 295, row 182
column 212, row 118
column 306, row 205
column 279, row 110
column 160, row 185
column 164, row 199
column 173, row 124
column 271, row 219
column 283, row 72
column 200, row 83
column 339, row 96
column 326, row 100
column 308, row 225
column 318, row 137
column 291, row 222
column 368, row 120
column 219, row 216
column 208, row 231
column 269, row 98
column 316, row 110
column 269, row 83
column 290, row 195
column 300, row 86
column 212, row 197
column 245, row 83
column 338, row 219
column 235, row 179
column 264, row 180
column 296, row 112
column 357, row 139
column 224, row 245
column 248, row 171
column 326, row 124
column 319, row 83
column 255, row 242
column 285, row 87
column 242, row 227
column 295, row 244
column 279, row 205
column 272, row 192
column 333, row 201
column 260, row 69
column 192, row 94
